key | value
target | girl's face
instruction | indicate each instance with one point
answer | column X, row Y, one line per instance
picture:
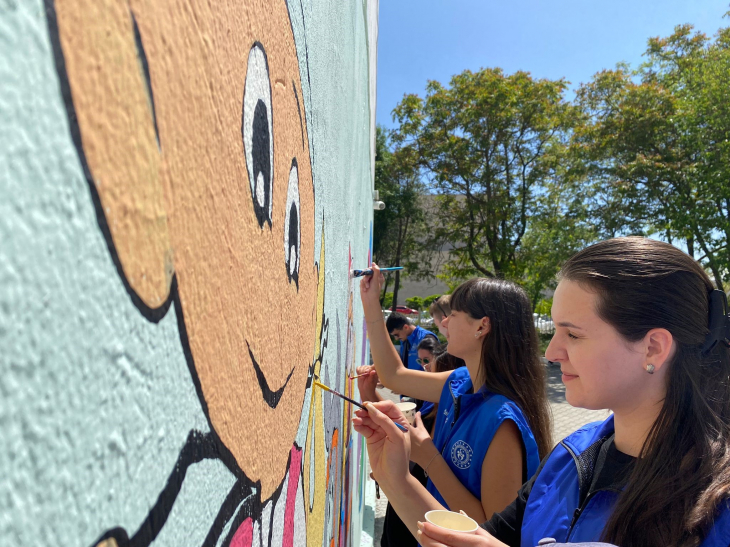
column 461, row 332
column 426, row 359
column 600, row 368
column 438, row 321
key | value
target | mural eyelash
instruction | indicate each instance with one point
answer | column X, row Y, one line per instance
column 257, row 133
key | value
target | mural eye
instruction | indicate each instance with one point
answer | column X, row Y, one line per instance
column 256, row 129
column 292, row 227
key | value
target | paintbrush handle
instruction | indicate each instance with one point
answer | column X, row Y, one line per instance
column 361, row 273
column 354, row 402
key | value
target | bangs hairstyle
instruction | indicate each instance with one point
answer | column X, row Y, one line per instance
column 510, row 364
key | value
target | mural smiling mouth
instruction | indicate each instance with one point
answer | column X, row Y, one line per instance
column 272, row 398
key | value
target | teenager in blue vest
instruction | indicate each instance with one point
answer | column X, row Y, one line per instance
column 641, row 330
column 493, row 423
column 410, row 336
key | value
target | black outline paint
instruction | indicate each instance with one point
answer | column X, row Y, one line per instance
column 142, row 54
column 299, row 111
column 244, row 499
column 151, row 314
column 269, row 212
column 272, row 398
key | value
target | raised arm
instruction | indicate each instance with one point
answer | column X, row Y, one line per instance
column 423, row 385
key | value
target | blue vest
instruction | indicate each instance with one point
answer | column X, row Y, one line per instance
column 412, row 342
column 463, row 442
column 553, row 505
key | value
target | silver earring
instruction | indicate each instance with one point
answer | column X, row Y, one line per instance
column 650, row 368
column 478, row 334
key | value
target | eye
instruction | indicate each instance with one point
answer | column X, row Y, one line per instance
column 292, row 227
column 256, row 130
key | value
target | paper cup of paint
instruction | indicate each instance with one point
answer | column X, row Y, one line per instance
column 408, row 410
column 452, row 521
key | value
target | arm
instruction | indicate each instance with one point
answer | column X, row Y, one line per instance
column 389, row 451
column 501, row 476
column 422, row 385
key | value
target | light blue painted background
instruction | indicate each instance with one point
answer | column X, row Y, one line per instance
column 96, row 401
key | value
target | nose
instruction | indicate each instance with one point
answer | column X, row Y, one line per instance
column 445, row 322
column 555, row 352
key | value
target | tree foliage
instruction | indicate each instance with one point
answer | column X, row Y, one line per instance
column 396, row 229
column 493, row 148
column 654, row 143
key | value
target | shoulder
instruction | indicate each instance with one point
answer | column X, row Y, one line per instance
column 582, row 438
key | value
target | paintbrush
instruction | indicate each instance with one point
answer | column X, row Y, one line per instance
column 360, row 273
column 359, row 375
column 354, row 402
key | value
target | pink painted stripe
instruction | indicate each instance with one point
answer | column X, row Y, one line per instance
column 291, row 496
column 244, row 535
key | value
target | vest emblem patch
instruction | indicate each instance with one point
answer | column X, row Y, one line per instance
column 461, row 454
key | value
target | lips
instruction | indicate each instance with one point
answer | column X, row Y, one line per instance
column 567, row 377
column 272, row 398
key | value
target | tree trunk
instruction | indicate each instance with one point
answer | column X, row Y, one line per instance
column 691, row 246
column 385, row 289
column 395, row 289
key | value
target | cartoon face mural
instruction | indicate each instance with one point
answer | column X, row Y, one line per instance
column 190, row 123
column 162, row 267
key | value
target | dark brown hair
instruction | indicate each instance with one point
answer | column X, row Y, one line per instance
column 510, row 364
column 683, row 471
column 444, row 362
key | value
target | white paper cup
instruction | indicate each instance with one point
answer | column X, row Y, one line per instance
column 452, row 521
column 408, row 410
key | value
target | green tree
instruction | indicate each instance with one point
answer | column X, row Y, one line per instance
column 655, row 146
column 396, row 229
column 493, row 148
column 429, row 300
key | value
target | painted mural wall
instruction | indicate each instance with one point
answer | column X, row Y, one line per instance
column 184, row 187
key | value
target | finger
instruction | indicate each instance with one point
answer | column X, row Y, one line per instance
column 418, row 422
column 426, row 541
column 385, row 422
column 393, row 412
column 363, row 430
column 368, row 422
column 449, row 537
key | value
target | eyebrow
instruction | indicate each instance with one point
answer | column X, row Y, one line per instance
column 299, row 111
column 569, row 325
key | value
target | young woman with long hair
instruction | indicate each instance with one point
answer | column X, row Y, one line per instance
column 640, row 330
column 494, row 423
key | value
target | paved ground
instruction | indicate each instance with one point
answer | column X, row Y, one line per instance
column 566, row 419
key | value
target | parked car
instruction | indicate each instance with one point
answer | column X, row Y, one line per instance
column 405, row 310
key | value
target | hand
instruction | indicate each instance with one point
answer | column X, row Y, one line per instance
column 388, row 447
column 370, row 287
column 429, row 535
column 422, row 447
column 366, row 384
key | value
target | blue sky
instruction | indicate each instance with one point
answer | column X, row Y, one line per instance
column 421, row 40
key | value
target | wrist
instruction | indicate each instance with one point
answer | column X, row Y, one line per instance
column 429, row 455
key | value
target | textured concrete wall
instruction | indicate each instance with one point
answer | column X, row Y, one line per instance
column 184, row 187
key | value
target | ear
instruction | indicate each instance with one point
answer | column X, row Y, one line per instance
column 659, row 347
column 485, row 325
column 106, row 78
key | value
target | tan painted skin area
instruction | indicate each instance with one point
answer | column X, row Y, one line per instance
column 185, row 207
